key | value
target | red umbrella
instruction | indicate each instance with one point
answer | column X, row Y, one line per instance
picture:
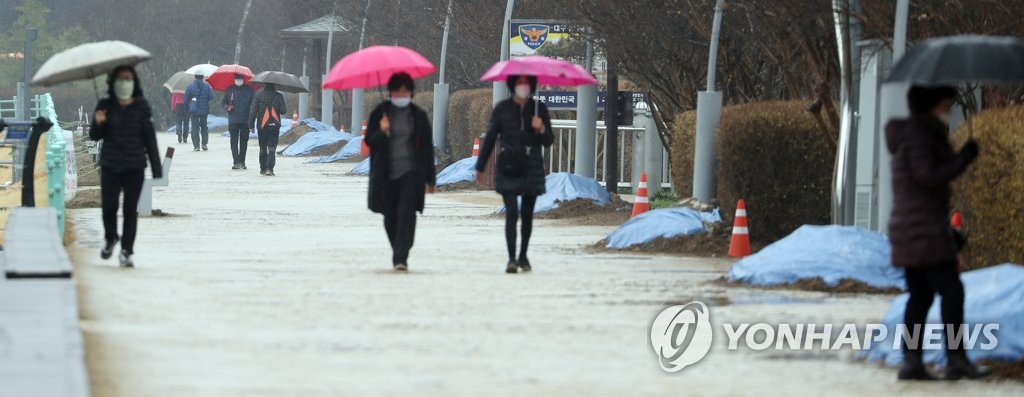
column 224, row 76
column 373, row 66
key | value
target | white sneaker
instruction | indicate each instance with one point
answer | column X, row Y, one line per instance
column 126, row 259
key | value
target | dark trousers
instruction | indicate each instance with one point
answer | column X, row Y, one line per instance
column 199, row 129
column 112, row 183
column 512, row 215
column 181, row 120
column 268, row 147
column 239, row 142
column 400, row 220
column 922, row 284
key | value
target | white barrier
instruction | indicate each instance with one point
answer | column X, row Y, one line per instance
column 146, row 199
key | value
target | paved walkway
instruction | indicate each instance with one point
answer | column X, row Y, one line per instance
column 282, row 286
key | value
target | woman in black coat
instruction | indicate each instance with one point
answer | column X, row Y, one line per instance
column 923, row 166
column 402, row 167
column 124, row 122
column 523, row 127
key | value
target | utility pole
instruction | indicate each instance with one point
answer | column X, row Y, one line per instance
column 893, row 105
column 709, row 113
column 611, row 123
column 327, row 95
column 586, row 122
column 500, row 91
column 25, row 89
column 357, row 93
column 441, row 92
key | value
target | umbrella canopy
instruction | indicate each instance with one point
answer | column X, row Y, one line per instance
column 87, row 61
column 549, row 71
column 179, row 82
column 373, row 66
column 285, row 82
column 949, row 61
column 224, row 76
column 204, row 69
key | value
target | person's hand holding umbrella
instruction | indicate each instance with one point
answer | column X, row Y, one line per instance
column 538, row 125
column 385, row 126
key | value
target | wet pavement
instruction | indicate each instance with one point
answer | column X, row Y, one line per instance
column 282, row 286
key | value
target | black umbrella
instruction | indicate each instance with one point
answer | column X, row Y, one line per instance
column 950, row 61
column 284, row 82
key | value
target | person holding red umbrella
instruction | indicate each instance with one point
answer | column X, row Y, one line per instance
column 237, row 102
column 524, row 128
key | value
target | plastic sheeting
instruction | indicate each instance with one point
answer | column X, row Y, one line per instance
column 460, row 171
column 993, row 296
column 829, row 252
column 349, row 151
column 362, row 169
column 212, row 123
column 661, row 223
column 564, row 186
column 286, row 127
column 315, row 140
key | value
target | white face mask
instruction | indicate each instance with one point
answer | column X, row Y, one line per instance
column 239, row 82
column 523, row 91
column 401, row 102
column 123, row 89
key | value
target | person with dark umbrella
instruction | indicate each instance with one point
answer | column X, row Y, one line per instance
column 265, row 112
column 124, row 122
column 402, row 166
column 923, row 166
column 523, row 128
column 237, row 102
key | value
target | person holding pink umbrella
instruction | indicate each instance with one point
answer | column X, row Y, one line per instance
column 523, row 126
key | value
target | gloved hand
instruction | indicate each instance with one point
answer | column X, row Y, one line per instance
column 970, row 151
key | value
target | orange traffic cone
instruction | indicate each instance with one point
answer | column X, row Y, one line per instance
column 364, row 149
column 295, row 117
column 476, row 147
column 740, row 244
column 641, row 203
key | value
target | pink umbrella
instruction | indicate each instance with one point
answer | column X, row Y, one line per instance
column 224, row 76
column 549, row 71
column 373, row 66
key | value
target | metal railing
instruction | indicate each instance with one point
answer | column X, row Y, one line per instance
column 562, row 155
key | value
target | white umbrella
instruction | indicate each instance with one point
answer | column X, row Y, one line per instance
column 204, row 69
column 87, row 61
column 179, row 82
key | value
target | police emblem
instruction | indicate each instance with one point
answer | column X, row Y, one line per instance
column 534, row 36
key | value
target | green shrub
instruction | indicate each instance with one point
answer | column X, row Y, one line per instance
column 989, row 193
column 468, row 113
column 773, row 155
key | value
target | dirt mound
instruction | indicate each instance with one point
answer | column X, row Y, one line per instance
column 1005, row 370
column 294, row 135
column 85, row 198
column 817, row 284
column 329, row 150
column 714, row 244
column 454, row 187
column 584, row 212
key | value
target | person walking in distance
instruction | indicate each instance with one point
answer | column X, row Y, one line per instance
column 523, row 127
column 402, row 166
column 197, row 97
column 923, row 243
column 265, row 113
column 124, row 122
column 237, row 102
column 180, row 116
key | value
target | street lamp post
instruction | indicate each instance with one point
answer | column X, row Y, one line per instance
column 500, row 92
column 357, row 93
column 709, row 112
column 893, row 105
column 441, row 92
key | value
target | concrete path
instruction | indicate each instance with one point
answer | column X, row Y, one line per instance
column 282, row 286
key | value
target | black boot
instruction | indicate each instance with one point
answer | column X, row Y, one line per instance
column 913, row 367
column 960, row 367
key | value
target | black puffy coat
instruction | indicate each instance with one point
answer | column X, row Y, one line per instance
column 510, row 123
column 128, row 136
column 923, row 165
column 380, row 197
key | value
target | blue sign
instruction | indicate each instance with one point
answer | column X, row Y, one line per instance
column 567, row 100
column 18, row 131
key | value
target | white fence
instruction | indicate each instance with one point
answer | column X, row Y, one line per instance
column 562, row 156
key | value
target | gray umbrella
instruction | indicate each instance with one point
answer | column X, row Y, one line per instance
column 284, row 82
column 950, row 61
column 87, row 61
column 179, row 82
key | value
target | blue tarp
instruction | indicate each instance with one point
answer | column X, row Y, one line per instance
column 363, row 168
column 460, row 171
column 993, row 296
column 315, row 140
column 286, row 126
column 212, row 123
column 564, row 186
column 830, row 252
column 349, row 151
column 661, row 223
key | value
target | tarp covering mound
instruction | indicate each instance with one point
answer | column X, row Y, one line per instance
column 286, row 126
column 564, row 186
column 349, row 151
column 993, row 296
column 460, row 171
column 363, row 168
column 661, row 223
column 830, row 252
column 212, row 123
column 314, row 140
